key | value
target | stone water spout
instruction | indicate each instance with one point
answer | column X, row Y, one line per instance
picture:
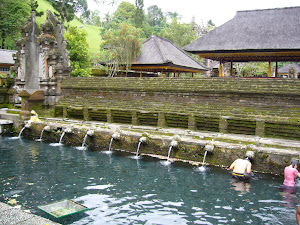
column 210, row 146
column 83, row 146
column 68, row 131
column 115, row 136
column 47, row 128
column 141, row 140
column 90, row 133
column 173, row 144
column 28, row 125
column 250, row 154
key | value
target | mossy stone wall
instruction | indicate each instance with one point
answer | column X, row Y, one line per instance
column 6, row 92
column 222, row 155
column 263, row 107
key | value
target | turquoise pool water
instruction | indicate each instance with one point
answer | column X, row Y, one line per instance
column 120, row 190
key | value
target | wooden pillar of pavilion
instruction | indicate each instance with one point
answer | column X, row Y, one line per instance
column 269, row 69
column 220, row 69
column 276, row 69
column 141, row 74
column 162, row 73
column 231, row 69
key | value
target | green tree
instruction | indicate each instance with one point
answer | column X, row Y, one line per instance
column 292, row 72
column 179, row 34
column 124, row 12
column 139, row 13
column 203, row 29
column 155, row 16
column 13, row 14
column 255, row 69
column 173, row 15
column 156, row 20
column 124, row 45
column 78, row 49
column 67, row 8
column 34, row 5
column 91, row 18
column 148, row 30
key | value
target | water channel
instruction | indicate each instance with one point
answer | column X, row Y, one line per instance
column 120, row 190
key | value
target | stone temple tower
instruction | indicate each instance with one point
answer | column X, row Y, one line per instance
column 41, row 63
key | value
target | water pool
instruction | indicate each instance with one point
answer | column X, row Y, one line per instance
column 120, row 190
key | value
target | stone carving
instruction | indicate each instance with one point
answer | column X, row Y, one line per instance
column 42, row 60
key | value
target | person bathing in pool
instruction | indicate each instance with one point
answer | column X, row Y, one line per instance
column 241, row 169
column 290, row 173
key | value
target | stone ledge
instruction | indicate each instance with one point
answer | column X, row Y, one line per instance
column 11, row 215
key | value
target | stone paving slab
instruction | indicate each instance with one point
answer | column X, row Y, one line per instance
column 10, row 216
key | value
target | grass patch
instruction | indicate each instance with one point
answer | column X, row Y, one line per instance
column 93, row 33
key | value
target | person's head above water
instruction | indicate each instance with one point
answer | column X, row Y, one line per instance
column 295, row 163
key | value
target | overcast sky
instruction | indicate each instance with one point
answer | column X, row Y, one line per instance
column 220, row 11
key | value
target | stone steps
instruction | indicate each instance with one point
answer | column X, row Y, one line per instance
column 274, row 113
column 274, row 86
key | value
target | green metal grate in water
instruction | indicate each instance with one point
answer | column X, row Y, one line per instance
column 63, row 208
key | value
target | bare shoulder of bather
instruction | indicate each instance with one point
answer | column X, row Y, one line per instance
column 241, row 166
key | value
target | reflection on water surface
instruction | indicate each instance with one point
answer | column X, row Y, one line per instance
column 120, row 190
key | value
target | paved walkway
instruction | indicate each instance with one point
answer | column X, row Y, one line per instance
column 10, row 216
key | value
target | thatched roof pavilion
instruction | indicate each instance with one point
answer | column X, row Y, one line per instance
column 256, row 35
column 161, row 55
column 285, row 70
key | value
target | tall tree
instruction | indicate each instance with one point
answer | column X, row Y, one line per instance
column 91, row 18
column 124, row 45
column 67, row 8
column 34, row 5
column 203, row 29
column 124, row 12
column 173, row 15
column 139, row 13
column 13, row 14
column 179, row 34
column 155, row 15
column 78, row 49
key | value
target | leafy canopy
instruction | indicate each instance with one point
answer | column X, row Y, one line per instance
column 125, row 12
column 124, row 45
column 78, row 49
column 139, row 13
column 13, row 14
column 179, row 34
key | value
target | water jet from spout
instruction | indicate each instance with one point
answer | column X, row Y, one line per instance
column 41, row 136
column 109, row 149
column 59, row 143
column 19, row 136
column 83, row 146
column 202, row 168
